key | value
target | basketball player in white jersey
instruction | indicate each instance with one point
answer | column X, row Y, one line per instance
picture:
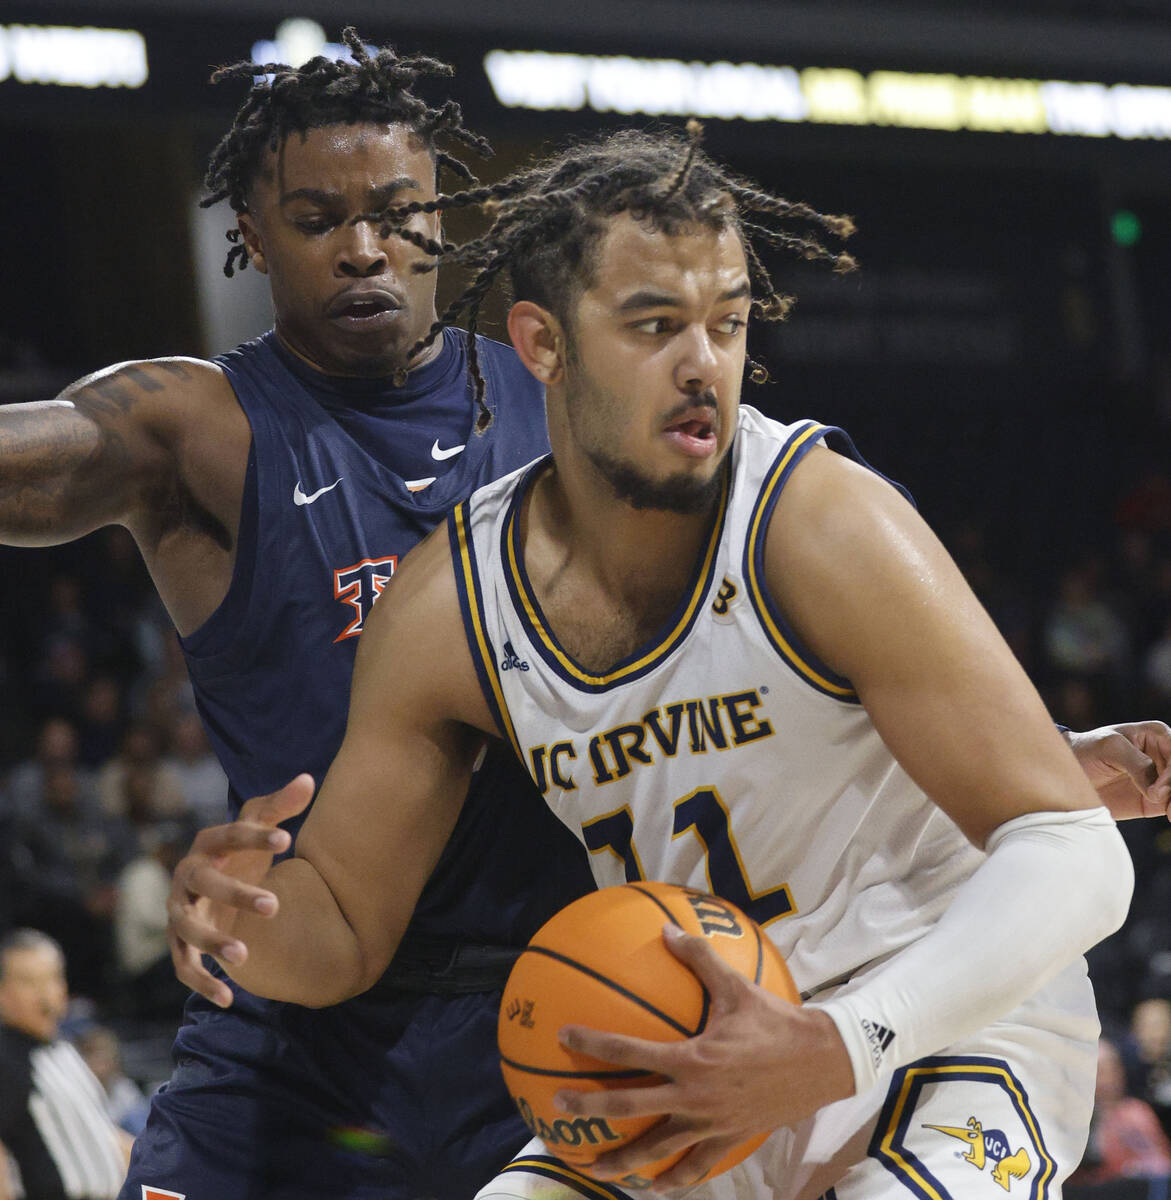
column 735, row 659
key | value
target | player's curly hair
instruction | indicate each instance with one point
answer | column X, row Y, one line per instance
column 285, row 100
column 547, row 222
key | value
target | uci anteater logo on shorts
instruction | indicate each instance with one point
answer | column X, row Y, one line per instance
column 962, row 1127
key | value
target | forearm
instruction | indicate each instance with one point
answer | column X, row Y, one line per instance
column 1059, row 881
column 307, row 953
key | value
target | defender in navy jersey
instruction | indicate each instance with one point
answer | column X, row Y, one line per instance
column 654, row 548
column 274, row 493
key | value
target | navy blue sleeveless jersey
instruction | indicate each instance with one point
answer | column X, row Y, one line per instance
column 397, row 1092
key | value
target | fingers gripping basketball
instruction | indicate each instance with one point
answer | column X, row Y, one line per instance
column 602, row 962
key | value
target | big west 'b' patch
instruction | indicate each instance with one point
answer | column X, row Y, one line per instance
column 962, row 1129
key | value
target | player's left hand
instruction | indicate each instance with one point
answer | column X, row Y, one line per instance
column 1129, row 766
column 760, row 1063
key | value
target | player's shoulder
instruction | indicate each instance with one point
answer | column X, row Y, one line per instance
column 415, row 635
column 151, row 383
column 491, row 501
column 177, row 374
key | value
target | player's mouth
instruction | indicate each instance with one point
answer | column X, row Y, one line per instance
column 364, row 309
column 693, row 431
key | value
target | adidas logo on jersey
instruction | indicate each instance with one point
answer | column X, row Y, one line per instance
column 879, row 1038
column 512, row 660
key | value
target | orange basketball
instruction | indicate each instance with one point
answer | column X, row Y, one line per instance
column 602, row 962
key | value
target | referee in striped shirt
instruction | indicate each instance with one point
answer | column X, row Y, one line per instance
column 53, row 1121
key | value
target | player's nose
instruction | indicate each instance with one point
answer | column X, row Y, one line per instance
column 363, row 252
column 698, row 364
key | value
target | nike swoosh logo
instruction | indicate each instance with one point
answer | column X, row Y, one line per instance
column 300, row 498
column 439, row 455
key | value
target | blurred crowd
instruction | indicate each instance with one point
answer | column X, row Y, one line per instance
column 105, row 775
column 107, row 772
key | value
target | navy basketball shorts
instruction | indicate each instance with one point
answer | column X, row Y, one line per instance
column 395, row 1099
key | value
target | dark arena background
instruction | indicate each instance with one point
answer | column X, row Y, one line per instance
column 1004, row 351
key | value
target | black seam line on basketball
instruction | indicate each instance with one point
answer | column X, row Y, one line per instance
column 629, row 1074
column 656, row 901
column 707, row 999
column 617, row 987
column 759, row 955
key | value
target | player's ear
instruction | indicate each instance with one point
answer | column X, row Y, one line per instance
column 539, row 341
column 251, row 236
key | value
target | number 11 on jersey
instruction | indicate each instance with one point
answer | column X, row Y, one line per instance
column 703, row 814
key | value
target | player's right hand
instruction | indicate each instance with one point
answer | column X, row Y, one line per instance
column 218, row 878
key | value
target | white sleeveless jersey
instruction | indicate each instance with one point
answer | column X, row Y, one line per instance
column 723, row 755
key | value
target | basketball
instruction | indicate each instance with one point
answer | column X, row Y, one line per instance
column 602, row 962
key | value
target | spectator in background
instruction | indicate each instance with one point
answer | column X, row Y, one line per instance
column 57, row 746
column 65, row 615
column 64, row 857
column 1135, row 585
column 164, row 691
column 139, row 757
column 101, row 720
column 53, row 1119
column 59, row 679
column 1156, row 666
column 1083, row 635
column 1149, row 1046
column 126, row 1103
column 1126, row 1139
column 1074, row 702
column 201, row 778
column 140, row 924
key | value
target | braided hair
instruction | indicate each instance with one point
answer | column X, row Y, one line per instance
column 284, row 100
column 547, row 222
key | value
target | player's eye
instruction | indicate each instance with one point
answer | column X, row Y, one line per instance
column 656, row 325
column 731, row 324
column 317, row 224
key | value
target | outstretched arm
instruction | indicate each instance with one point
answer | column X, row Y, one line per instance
column 159, row 447
column 91, row 456
column 339, row 906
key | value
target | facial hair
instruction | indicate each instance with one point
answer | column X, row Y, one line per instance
column 680, row 493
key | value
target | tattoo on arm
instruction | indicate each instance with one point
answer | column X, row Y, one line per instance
column 66, row 469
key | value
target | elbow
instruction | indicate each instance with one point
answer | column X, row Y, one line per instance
column 342, row 981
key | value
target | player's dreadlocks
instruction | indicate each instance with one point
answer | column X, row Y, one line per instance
column 376, row 88
column 547, row 222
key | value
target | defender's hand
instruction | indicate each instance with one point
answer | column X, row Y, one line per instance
column 217, row 879
column 760, row 1063
column 1129, row 766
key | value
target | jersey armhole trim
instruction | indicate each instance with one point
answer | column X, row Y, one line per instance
column 217, row 639
column 471, row 603
column 780, row 634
